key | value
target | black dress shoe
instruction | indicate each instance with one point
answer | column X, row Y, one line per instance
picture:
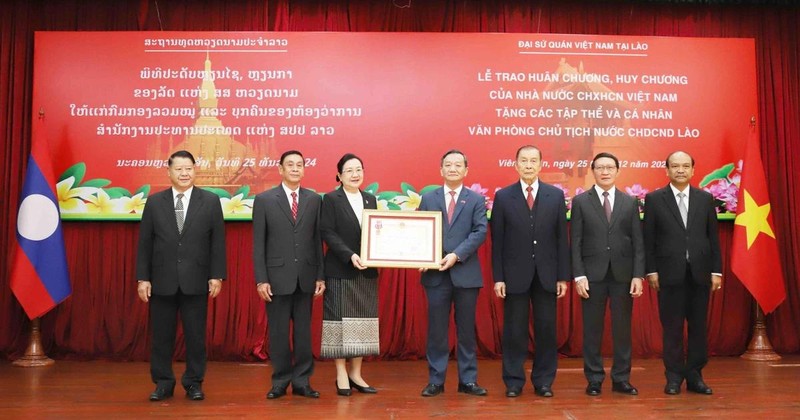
column 594, row 388
column 345, row 392
column 699, row 387
column 362, row 389
column 513, row 392
column 276, row 392
column 672, row 388
column 195, row 393
column 305, row 391
column 160, row 394
column 543, row 391
column 432, row 390
column 472, row 388
column 624, row 387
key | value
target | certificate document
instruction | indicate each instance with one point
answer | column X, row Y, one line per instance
column 401, row 239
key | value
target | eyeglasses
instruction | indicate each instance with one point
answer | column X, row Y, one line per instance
column 605, row 168
column 352, row 171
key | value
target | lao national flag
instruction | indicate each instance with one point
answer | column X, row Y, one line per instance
column 39, row 276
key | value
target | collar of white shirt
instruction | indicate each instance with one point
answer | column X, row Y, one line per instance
column 600, row 192
column 524, row 187
column 457, row 190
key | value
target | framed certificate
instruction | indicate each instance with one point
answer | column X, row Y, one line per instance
column 401, row 239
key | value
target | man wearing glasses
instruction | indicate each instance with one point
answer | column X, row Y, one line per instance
column 608, row 262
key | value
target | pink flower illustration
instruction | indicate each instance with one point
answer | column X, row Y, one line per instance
column 485, row 193
column 638, row 192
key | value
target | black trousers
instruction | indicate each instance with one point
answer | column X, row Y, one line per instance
column 594, row 313
column 287, row 367
column 163, row 324
column 686, row 302
column 516, row 314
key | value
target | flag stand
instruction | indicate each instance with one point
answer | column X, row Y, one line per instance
column 34, row 355
column 760, row 349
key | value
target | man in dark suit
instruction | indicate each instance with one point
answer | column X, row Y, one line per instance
column 458, row 280
column 608, row 258
column 683, row 266
column 287, row 252
column 180, row 262
column 530, row 264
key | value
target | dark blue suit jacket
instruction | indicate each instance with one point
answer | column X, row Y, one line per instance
column 463, row 236
column 523, row 245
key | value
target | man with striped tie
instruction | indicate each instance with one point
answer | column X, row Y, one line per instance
column 287, row 253
column 180, row 262
column 684, row 265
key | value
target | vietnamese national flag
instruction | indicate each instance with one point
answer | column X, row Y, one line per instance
column 39, row 276
column 754, row 257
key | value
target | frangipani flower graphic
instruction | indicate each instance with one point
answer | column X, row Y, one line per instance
column 383, row 205
column 72, row 200
column 236, row 204
column 408, row 202
column 129, row 205
column 101, row 203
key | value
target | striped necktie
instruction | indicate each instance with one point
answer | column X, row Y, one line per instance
column 179, row 215
column 294, row 206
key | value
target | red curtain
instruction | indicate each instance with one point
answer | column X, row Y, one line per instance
column 105, row 319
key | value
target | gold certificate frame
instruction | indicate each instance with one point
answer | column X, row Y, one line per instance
column 401, row 239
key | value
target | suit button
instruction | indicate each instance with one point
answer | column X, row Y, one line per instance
column 608, row 248
column 179, row 261
column 534, row 242
column 295, row 260
column 533, row 256
column 179, row 244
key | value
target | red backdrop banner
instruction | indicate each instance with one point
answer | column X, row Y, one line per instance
column 116, row 104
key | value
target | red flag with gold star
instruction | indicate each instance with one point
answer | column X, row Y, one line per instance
column 754, row 257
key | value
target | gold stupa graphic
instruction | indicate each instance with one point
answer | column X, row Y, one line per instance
column 586, row 146
column 215, row 152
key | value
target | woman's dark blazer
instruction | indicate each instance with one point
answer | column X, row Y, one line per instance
column 342, row 233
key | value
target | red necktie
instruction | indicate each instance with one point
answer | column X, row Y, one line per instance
column 294, row 206
column 530, row 197
column 451, row 207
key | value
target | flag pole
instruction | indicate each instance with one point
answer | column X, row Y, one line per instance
column 760, row 349
column 34, row 355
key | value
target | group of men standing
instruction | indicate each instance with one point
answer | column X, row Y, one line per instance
column 611, row 254
column 181, row 261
